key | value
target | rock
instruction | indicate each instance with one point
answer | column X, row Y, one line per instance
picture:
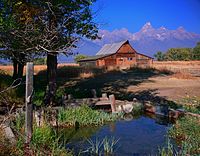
column 9, row 133
column 3, row 110
column 149, row 108
column 128, row 108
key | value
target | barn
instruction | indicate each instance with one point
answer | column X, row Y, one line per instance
column 117, row 54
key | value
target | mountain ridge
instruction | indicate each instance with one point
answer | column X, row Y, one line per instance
column 148, row 40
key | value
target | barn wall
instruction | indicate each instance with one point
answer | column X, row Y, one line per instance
column 126, row 56
column 143, row 61
column 100, row 62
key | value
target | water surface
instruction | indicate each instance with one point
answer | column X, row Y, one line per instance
column 139, row 136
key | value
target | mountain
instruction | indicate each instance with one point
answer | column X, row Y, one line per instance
column 149, row 40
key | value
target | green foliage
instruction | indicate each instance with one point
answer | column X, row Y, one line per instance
column 45, row 140
column 137, row 108
column 171, row 149
column 106, row 146
column 190, row 104
column 178, row 54
column 38, row 98
column 160, row 56
column 187, row 135
column 84, row 115
column 40, row 61
column 10, row 97
column 79, row 57
column 196, row 52
column 43, row 136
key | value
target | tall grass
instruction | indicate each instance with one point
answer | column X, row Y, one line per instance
column 84, row 115
column 106, row 146
column 45, row 140
column 186, row 133
column 191, row 104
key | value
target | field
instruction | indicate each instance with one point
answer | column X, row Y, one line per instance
column 170, row 80
column 37, row 68
column 155, row 85
column 192, row 67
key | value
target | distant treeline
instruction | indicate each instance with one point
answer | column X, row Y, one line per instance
column 179, row 54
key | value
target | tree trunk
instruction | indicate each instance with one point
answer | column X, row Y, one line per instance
column 51, row 78
column 14, row 69
column 20, row 70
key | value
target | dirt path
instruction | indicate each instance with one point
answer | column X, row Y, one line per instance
column 169, row 87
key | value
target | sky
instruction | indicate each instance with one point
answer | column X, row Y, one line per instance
column 133, row 14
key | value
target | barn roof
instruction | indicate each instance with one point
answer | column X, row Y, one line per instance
column 92, row 58
column 108, row 49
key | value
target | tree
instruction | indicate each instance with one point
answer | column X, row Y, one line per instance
column 79, row 57
column 14, row 31
column 178, row 54
column 40, row 61
column 51, row 27
column 196, row 52
column 160, row 56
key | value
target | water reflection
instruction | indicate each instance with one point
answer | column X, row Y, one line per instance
column 140, row 135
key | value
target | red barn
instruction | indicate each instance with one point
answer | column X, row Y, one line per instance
column 117, row 54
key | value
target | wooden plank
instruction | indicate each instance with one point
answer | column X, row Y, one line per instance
column 28, row 101
column 103, row 102
column 113, row 103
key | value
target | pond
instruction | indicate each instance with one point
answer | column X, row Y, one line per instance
column 141, row 135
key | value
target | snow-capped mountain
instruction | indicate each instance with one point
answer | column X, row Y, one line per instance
column 147, row 40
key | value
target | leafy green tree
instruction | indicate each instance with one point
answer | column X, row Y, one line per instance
column 160, row 56
column 14, row 43
column 49, row 27
column 178, row 54
column 196, row 52
column 79, row 57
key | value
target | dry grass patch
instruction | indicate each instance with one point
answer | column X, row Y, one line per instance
column 181, row 75
column 86, row 75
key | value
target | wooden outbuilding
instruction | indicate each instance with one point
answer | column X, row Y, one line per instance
column 117, row 54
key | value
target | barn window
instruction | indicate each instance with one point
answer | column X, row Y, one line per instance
column 130, row 58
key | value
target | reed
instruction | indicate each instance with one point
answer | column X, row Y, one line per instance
column 84, row 115
column 105, row 146
column 186, row 133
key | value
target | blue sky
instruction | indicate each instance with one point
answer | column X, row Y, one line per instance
column 133, row 14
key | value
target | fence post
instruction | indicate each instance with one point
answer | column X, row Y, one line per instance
column 28, row 101
column 94, row 93
column 112, row 102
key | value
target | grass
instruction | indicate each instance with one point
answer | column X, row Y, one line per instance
column 171, row 150
column 6, row 148
column 45, row 140
column 106, row 146
column 186, row 133
column 84, row 115
column 9, row 97
column 191, row 104
column 137, row 108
